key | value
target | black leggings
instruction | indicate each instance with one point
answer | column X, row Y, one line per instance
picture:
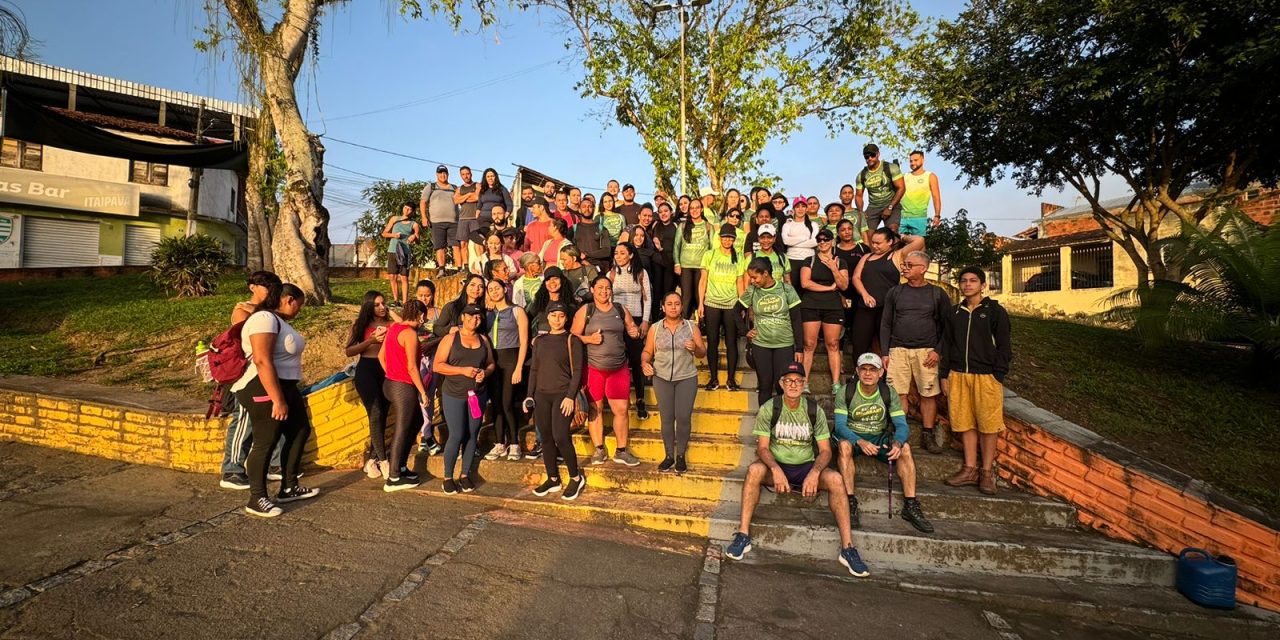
column 554, row 427
column 404, row 399
column 866, row 328
column 689, row 277
column 726, row 319
column 369, row 379
column 295, row 429
column 634, row 348
column 505, row 428
column 769, row 366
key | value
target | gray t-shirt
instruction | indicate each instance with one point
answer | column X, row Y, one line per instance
column 611, row 354
column 440, row 207
column 467, row 210
column 911, row 315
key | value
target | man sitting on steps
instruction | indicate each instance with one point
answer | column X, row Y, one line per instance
column 870, row 422
column 788, row 426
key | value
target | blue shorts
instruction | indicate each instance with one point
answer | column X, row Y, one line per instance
column 913, row 226
column 795, row 475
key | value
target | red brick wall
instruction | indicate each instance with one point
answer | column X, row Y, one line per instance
column 1126, row 503
column 1053, row 228
column 1262, row 208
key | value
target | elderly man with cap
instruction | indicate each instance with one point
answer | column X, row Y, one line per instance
column 788, row 429
column 629, row 208
column 885, row 187
column 439, row 213
column 708, row 197
column 870, row 422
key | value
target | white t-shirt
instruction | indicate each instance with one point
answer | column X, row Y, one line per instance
column 287, row 355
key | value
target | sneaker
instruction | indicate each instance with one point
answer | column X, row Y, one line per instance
column 712, row 386
column 967, row 476
column 914, row 515
column 398, row 484
column 275, row 473
column 642, row 412
column 666, row 464
column 450, row 487
column 384, row 469
column 574, row 488
column 853, row 562
column 552, row 485
column 929, row 441
column 263, row 508
column 600, row 456
column 739, row 546
column 296, row 493
column 513, row 453
column 434, row 449
column 681, row 467
column 466, row 485
column 235, row 481
column 496, row 452
column 536, row 453
column 855, row 517
column 733, row 386
column 371, row 468
column 622, row 456
column 406, row 473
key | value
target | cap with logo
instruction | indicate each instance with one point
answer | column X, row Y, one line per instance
column 472, row 310
column 557, row 306
column 767, row 230
column 870, row 359
column 442, row 169
column 793, row 367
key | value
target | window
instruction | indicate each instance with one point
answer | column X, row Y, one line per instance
column 1037, row 271
column 995, row 277
column 22, row 155
column 1091, row 266
column 149, row 173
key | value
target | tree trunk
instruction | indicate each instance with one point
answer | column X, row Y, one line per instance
column 256, row 198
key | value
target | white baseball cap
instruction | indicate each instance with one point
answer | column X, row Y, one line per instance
column 870, row 359
column 766, row 229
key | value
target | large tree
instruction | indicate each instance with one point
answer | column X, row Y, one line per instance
column 756, row 69
column 1063, row 93
column 15, row 40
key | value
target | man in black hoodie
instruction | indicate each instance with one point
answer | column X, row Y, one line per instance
column 976, row 352
column 591, row 239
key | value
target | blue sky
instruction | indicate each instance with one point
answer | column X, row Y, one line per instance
column 487, row 99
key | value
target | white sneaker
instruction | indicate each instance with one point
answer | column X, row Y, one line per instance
column 371, row 468
column 384, row 469
column 513, row 453
column 496, row 452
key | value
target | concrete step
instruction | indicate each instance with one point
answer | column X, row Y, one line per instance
column 718, row 400
column 704, row 450
column 705, row 421
column 965, row 547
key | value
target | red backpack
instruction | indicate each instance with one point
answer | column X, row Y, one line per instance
column 227, row 363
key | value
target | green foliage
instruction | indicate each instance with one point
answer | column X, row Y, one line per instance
column 189, row 266
column 957, row 243
column 386, row 198
column 755, row 71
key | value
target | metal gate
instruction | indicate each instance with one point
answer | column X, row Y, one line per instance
column 139, row 242
column 59, row 243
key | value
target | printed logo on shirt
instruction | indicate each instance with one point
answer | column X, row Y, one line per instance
column 793, row 433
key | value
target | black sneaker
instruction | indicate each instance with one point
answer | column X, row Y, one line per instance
column 914, row 515
column 552, row 485
column 405, row 473
column 855, row 518
column 666, row 464
column 263, row 508
column 712, row 386
column 296, row 493
column 681, row 467
column 466, row 485
column 234, row 481
column 733, row 386
column 642, row 412
column 398, row 484
column 535, row 453
column 430, row 447
column 450, row 487
column 574, row 488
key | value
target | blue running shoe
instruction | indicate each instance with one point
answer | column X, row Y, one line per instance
column 739, row 547
column 850, row 559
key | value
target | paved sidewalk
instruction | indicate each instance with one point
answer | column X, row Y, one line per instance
column 95, row 548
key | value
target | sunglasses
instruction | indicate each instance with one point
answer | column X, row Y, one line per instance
column 868, row 156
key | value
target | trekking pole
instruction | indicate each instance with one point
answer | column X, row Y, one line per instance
column 890, row 486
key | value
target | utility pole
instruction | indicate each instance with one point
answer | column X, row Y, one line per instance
column 196, row 173
column 681, row 6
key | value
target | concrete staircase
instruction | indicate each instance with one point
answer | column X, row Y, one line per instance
column 988, row 540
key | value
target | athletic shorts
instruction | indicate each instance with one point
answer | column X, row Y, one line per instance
column 466, row 228
column 608, row 385
column 825, row 316
column 795, row 473
column 914, row 226
column 394, row 267
column 906, row 365
column 889, row 216
column 975, row 400
column 444, row 234
column 882, row 441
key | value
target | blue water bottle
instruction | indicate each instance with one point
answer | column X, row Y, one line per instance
column 1206, row 580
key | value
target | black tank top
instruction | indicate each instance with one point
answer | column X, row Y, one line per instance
column 879, row 275
column 462, row 356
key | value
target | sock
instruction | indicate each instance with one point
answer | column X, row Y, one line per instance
column 618, row 450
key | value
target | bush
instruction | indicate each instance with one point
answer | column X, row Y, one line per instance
column 189, row 266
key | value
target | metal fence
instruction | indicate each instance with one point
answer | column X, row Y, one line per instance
column 1037, row 271
column 1092, row 266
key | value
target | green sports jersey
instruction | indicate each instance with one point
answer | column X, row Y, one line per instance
column 866, row 413
column 689, row 253
column 722, row 278
column 879, row 187
column 772, row 310
column 791, row 440
column 613, row 224
column 915, row 201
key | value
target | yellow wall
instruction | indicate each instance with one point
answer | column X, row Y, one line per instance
column 1067, row 301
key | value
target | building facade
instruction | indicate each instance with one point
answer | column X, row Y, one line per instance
column 99, row 188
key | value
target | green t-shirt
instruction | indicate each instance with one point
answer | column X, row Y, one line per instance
column 613, row 224
column 722, row 278
column 689, row 254
column 791, row 441
column 772, row 309
column 866, row 413
column 915, row 200
column 880, row 191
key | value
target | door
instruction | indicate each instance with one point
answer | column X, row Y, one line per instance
column 59, row 243
column 139, row 242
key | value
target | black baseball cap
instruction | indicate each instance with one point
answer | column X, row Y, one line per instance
column 628, row 186
column 557, row 306
column 472, row 310
column 728, row 231
column 824, row 234
column 539, row 200
column 442, row 169
column 793, row 367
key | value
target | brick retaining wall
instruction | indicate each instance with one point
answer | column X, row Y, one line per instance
column 1125, row 496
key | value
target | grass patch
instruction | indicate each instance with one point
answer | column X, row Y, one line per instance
column 1194, row 407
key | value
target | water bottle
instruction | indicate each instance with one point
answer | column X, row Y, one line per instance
column 202, row 362
column 474, row 403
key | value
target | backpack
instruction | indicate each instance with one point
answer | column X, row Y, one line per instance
column 227, row 361
column 884, row 398
column 884, row 168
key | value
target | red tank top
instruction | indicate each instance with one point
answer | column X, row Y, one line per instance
column 397, row 363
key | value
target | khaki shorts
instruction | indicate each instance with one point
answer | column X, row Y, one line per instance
column 906, row 365
column 975, row 400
